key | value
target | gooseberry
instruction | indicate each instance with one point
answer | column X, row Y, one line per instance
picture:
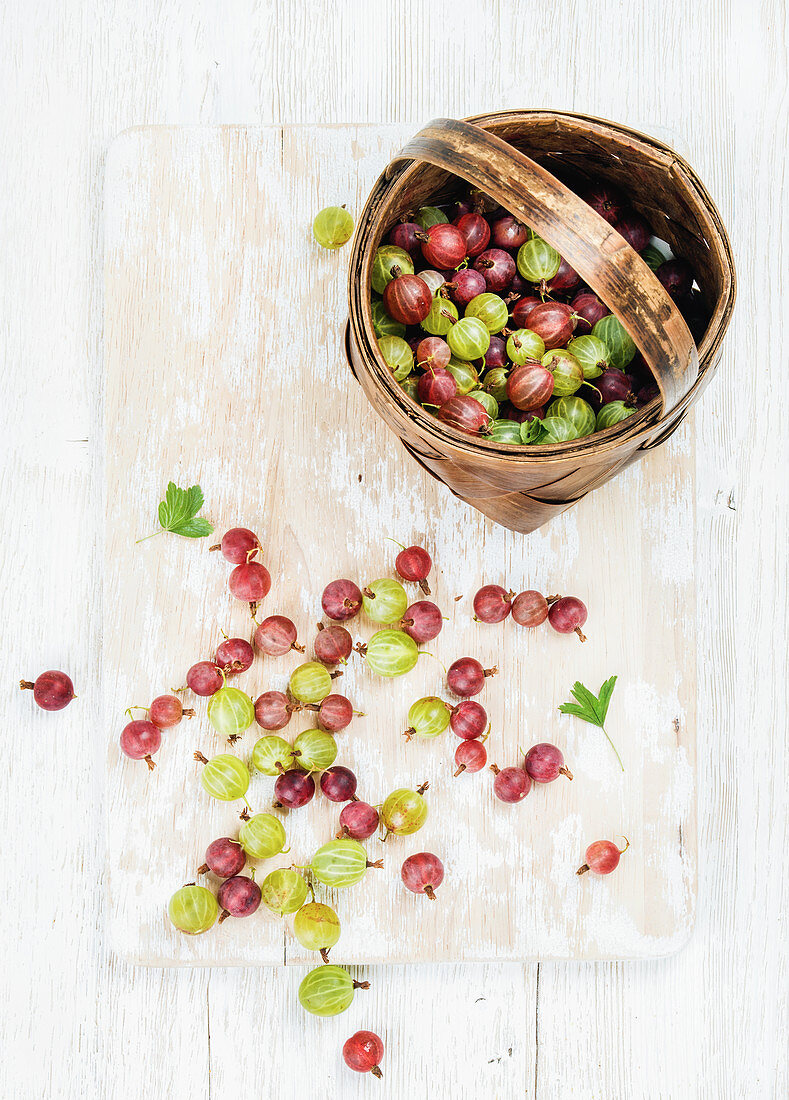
column 405, row 235
column 591, row 353
column 224, row 858
column 276, row 636
column 510, row 784
column 333, row 226
column 545, row 762
column 469, row 338
column 52, row 690
column 167, row 711
column 404, row 811
column 389, row 262
column 602, row 857
column 384, row 600
column 293, row 789
column 505, row 431
column 193, row 909
column 606, row 200
column 408, row 299
column 530, row 608
column 498, row 267
column 614, row 412
column 272, row 756
column 204, row 678
column 521, row 311
column 554, row 322
column 492, row 604
column 496, row 355
column 335, row 713
column 495, row 383
column 250, row 582
column 230, row 712
column 530, row 386
column 422, row 621
column 273, row 710
column 430, row 215
column 341, row 863
column 565, row 279
column 464, row 286
column 621, row 347
column 491, row 310
column 612, row 385
column 284, row 891
column 470, row 756
column 465, row 375
column 238, row 545
column 315, row 750
column 262, row 836
column 224, row 777
column 443, row 245
column 341, row 600
column 676, row 276
column 576, row 411
column 427, row 717
column 317, row 928
column 508, row 232
column 238, row 897
column 413, row 563
column 328, row 990
column 398, row 355
column 435, row 387
column 333, row 644
column 523, row 344
column 466, row 676
column 468, row 720
column 422, row 873
column 568, row 375
column 338, row 784
column 140, row 739
column 364, row 1050
column 538, row 262
column 476, row 233
column 567, row 615
column 432, row 353
column 441, row 317
column 634, row 229
column 465, row 414
column 310, row 682
column 358, row 820
column 588, row 310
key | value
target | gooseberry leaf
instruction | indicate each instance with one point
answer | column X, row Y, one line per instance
column 593, row 708
column 178, row 513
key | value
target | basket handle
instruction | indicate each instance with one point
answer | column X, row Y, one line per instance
column 602, row 257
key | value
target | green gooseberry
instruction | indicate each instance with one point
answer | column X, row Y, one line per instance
column 621, row 347
column 193, row 909
column 398, row 355
column 428, row 717
column 404, row 811
column 272, row 755
column 494, row 382
column 523, row 344
column 262, row 836
column 505, row 431
column 391, row 653
column 327, row 990
column 468, row 338
column 383, row 324
column 537, row 262
column 310, row 682
column 341, row 863
column 652, row 257
column 384, row 600
column 591, row 353
column 333, row 226
column 578, row 412
column 465, row 375
column 283, row 891
column 487, row 401
column 317, row 927
column 614, row 412
column 410, row 386
column 389, row 262
column 224, row 777
column 568, row 375
column 490, row 309
column 230, row 712
column 315, row 750
column 443, row 314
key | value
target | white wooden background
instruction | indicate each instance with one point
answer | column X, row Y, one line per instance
column 709, row 1022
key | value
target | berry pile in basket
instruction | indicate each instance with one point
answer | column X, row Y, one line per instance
column 487, row 327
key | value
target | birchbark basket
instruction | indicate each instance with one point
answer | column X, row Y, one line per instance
column 512, row 156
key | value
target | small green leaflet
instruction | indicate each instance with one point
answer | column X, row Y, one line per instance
column 593, row 708
column 178, row 513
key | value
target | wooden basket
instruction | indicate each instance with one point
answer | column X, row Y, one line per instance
column 507, row 155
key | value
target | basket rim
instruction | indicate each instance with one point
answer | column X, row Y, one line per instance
column 639, row 427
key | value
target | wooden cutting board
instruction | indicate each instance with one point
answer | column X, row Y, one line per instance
column 224, row 324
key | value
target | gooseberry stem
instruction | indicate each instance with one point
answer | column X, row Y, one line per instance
column 610, row 742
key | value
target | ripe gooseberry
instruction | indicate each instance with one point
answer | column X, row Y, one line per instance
column 384, row 600
column 341, row 863
column 492, row 604
column 238, row 545
column 435, row 387
column 464, row 286
column 422, row 621
column 310, row 682
column 224, row 777
column 405, row 235
column 315, row 750
column 498, row 267
column 338, row 784
column 250, row 582
column 565, row 279
column 476, row 233
column 238, row 897
column 234, row 655
column 508, row 232
column 588, row 310
column 262, row 836
column 465, row 414
column 554, row 322
column 545, row 762
column 167, row 711
column 530, row 608
column 272, row 756
column 333, row 644
column 193, row 909
column 433, row 352
column 676, row 277
column 230, row 712
column 390, row 653
column 521, row 311
column 510, row 784
column 317, row 928
column 276, row 636
column 443, row 245
column 427, row 717
column 606, row 200
column 273, row 710
column 204, row 678
column 293, row 789
column 358, row 820
column 408, row 299
column 529, row 386
column 413, row 563
column 567, row 615
column 284, row 891
column 224, row 858
column 466, row 676
column 634, row 229
column 602, row 857
column 140, row 739
column 52, row 690
column 328, row 990
column 364, row 1050
column 468, row 720
column 341, row 600
column 470, row 756
column 335, row 713
column 332, row 227
column 422, row 873
column 404, row 811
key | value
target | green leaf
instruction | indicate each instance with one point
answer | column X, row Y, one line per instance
column 178, row 512
column 606, row 691
column 592, row 708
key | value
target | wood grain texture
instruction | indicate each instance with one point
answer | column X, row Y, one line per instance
column 207, row 251
column 709, row 1022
